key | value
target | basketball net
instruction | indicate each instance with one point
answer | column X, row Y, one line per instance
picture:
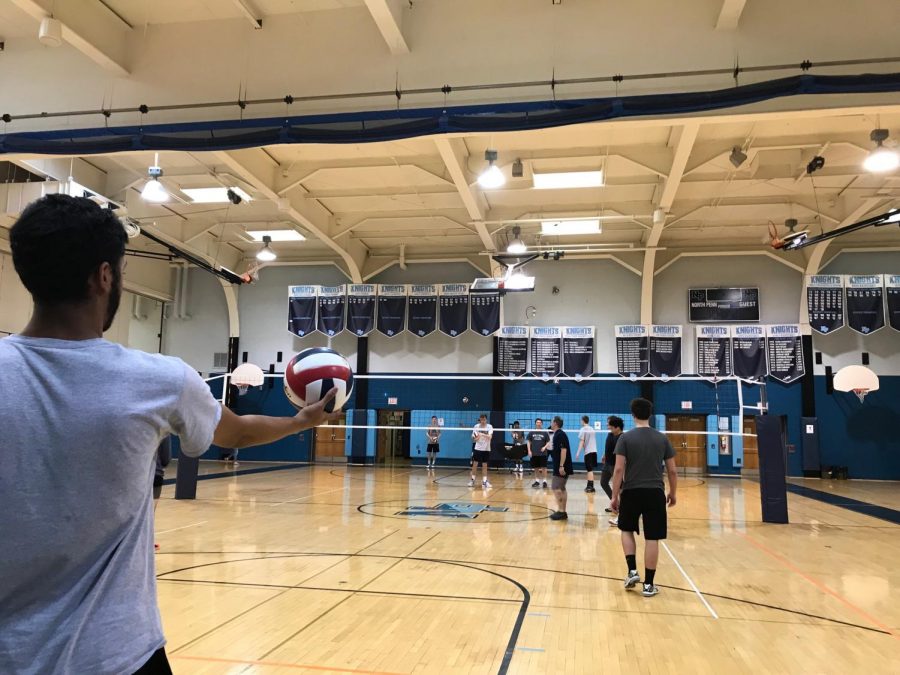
column 242, row 388
column 860, row 394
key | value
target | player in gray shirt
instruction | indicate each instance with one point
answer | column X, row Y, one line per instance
column 77, row 578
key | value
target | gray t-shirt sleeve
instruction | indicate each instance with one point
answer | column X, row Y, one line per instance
column 196, row 415
column 622, row 446
column 670, row 451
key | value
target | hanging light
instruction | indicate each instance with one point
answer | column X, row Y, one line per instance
column 492, row 177
column 516, row 246
column 153, row 190
column 266, row 254
column 50, row 32
column 881, row 159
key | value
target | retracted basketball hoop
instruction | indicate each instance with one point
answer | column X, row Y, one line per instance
column 856, row 379
column 247, row 375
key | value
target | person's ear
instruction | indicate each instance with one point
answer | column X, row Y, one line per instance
column 105, row 277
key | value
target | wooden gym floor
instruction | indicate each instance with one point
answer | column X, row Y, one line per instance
column 312, row 570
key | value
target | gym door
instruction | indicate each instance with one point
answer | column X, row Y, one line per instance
column 690, row 448
column 329, row 443
column 751, row 450
column 392, row 447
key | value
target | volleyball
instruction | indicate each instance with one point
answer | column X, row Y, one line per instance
column 312, row 373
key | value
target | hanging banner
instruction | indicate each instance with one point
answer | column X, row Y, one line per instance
column 825, row 302
column 631, row 350
column 785, row 350
column 485, row 313
column 892, row 281
column 422, row 309
column 331, row 309
column 301, row 310
column 391, row 309
column 748, row 346
column 512, row 351
column 454, row 316
column 361, row 309
column 545, row 351
column 865, row 303
column 578, row 351
column 664, row 355
column 713, row 351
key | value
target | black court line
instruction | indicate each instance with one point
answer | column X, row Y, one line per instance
column 242, row 472
column 855, row 505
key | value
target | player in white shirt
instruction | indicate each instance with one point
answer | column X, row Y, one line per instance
column 481, row 434
column 587, row 443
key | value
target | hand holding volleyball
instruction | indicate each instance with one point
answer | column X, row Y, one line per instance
column 311, row 375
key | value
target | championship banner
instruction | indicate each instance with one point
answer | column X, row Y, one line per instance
column 892, row 281
column 301, row 310
column 485, row 313
column 545, row 351
column 331, row 309
column 748, row 346
column 578, row 351
column 391, row 309
column 631, row 350
column 422, row 306
column 664, row 355
column 454, row 316
column 713, row 351
column 865, row 303
column 785, row 349
column 512, row 351
column 825, row 302
column 361, row 309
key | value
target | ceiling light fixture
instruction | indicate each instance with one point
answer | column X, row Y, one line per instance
column 266, row 254
column 153, row 190
column 516, row 245
column 518, row 169
column 276, row 235
column 50, row 32
column 492, row 177
column 881, row 159
column 737, row 157
column 561, row 180
column 567, row 227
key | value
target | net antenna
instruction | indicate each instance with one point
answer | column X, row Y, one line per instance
column 856, row 379
column 247, row 375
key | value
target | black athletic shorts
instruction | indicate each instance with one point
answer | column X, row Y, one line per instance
column 590, row 461
column 481, row 456
column 648, row 504
column 157, row 664
column 539, row 461
column 433, row 447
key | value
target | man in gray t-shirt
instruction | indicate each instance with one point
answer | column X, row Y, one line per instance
column 81, row 421
column 639, row 492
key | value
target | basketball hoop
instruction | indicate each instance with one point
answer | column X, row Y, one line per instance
column 856, row 379
column 860, row 393
column 245, row 376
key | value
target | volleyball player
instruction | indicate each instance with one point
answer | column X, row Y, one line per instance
column 481, row 434
column 538, row 441
column 615, row 426
column 587, row 443
column 561, row 452
column 433, row 434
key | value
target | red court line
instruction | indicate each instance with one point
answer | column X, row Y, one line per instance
column 277, row 664
column 818, row 584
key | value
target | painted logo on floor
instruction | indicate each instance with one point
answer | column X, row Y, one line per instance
column 451, row 510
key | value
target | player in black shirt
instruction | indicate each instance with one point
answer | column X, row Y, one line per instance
column 561, row 452
column 616, row 426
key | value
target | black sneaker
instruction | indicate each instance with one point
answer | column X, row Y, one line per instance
column 650, row 590
column 559, row 515
column 632, row 579
column 545, row 485
column 536, row 483
column 589, row 488
column 608, row 510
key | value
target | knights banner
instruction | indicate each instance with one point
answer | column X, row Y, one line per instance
column 748, row 346
column 631, row 350
column 454, row 314
column 892, row 281
column 545, row 351
column 422, row 307
column 361, row 309
column 578, row 351
column 785, row 350
column 391, row 309
column 301, row 310
column 825, row 302
column 664, row 354
column 331, row 309
column 865, row 303
column 485, row 313
column 713, row 351
column 512, row 351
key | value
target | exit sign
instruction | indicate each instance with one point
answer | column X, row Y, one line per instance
column 687, row 405
column 392, row 400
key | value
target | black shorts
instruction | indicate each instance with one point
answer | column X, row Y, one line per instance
column 539, row 461
column 590, row 461
column 481, row 456
column 433, row 447
column 648, row 504
column 157, row 664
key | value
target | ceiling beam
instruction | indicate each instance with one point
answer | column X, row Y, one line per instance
column 90, row 27
column 388, row 16
column 453, row 152
column 730, row 14
column 249, row 12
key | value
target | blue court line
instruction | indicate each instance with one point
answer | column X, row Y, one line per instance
column 242, row 472
column 874, row 510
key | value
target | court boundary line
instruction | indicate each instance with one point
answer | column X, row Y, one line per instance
column 689, row 580
column 183, row 527
column 276, row 664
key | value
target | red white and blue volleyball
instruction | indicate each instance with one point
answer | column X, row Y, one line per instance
column 313, row 373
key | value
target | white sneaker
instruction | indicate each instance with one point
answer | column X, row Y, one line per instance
column 485, row 484
column 471, row 483
column 614, row 522
column 650, row 590
column 632, row 579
